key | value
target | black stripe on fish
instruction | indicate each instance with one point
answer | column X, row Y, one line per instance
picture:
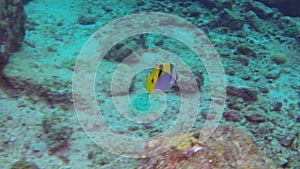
column 160, row 70
column 171, row 68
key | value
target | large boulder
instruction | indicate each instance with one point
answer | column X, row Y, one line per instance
column 12, row 28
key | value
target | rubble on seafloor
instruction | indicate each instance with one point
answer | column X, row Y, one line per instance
column 228, row 148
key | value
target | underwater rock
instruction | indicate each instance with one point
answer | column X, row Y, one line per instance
column 231, row 71
column 273, row 72
column 256, row 22
column 296, row 143
column 194, row 11
column 236, row 103
column 288, row 7
column 40, row 147
column 244, row 60
column 289, row 26
column 239, row 98
column 228, row 147
column 199, row 77
column 245, row 76
column 256, row 78
column 294, row 162
column 228, row 19
column 287, row 141
column 276, row 106
column 255, row 118
column 231, row 116
column 121, row 54
column 220, row 4
column 208, row 4
column 245, row 94
column 86, row 20
column 52, row 85
column 90, row 155
column 260, row 9
column 26, row 1
column 125, row 48
column 278, row 59
column 3, row 59
column 24, row 165
column 245, row 50
column 186, row 86
column 58, row 138
column 298, row 119
column 18, row 82
column 159, row 43
column 264, row 90
column 12, row 28
column 264, row 129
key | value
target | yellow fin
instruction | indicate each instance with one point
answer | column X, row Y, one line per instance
column 150, row 84
column 167, row 68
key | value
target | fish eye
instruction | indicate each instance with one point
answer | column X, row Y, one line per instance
column 152, row 81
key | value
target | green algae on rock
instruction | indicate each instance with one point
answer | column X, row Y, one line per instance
column 228, row 148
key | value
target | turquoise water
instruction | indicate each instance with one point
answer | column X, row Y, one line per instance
column 73, row 80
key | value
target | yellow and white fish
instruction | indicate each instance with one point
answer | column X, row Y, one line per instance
column 162, row 79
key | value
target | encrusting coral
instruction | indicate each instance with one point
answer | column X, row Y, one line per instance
column 228, row 147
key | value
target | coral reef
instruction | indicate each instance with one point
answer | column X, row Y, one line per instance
column 228, row 147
